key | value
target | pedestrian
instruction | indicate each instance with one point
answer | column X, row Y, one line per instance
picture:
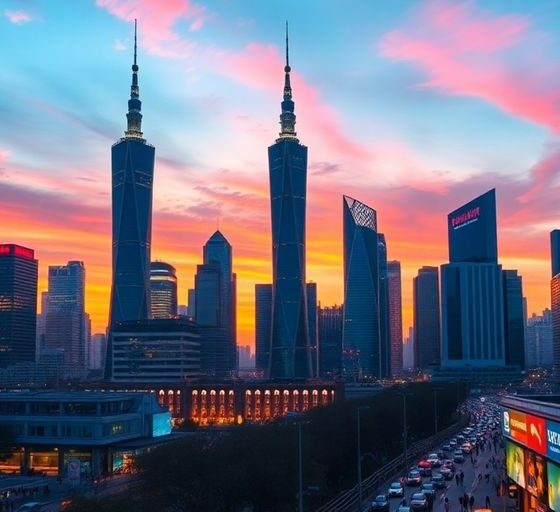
column 487, row 477
column 487, row 502
column 461, row 503
column 457, row 477
column 462, row 477
column 471, row 502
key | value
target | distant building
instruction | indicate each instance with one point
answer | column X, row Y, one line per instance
column 408, row 349
column 539, row 341
column 555, row 300
column 555, row 251
column 427, row 341
column 514, row 333
column 191, row 303
column 163, row 290
column 395, row 316
column 66, row 323
column 472, row 298
column 18, row 307
column 311, row 290
column 330, row 341
column 97, row 349
column 150, row 351
column 182, row 310
column 244, row 356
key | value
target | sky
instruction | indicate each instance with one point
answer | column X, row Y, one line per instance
column 412, row 107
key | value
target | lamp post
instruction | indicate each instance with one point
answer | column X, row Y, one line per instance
column 300, row 465
column 435, row 390
column 359, row 457
column 405, row 430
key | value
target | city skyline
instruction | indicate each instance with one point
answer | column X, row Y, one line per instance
column 194, row 186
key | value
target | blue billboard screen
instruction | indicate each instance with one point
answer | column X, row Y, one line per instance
column 161, row 425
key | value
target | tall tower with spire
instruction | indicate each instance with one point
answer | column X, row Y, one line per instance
column 287, row 162
column 132, row 162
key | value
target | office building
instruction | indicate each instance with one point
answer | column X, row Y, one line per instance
column 538, row 341
column 164, row 350
column 18, row 304
column 514, row 332
column 263, row 313
column 408, row 350
column 97, row 350
column 384, row 320
column 311, row 291
column 66, row 323
column 132, row 183
column 215, row 310
column 330, row 341
column 163, row 290
column 245, row 358
column 364, row 320
column 191, row 303
column 427, row 340
column 555, row 251
column 395, row 316
column 290, row 351
column 472, row 293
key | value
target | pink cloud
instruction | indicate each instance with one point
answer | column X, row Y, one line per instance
column 468, row 51
column 18, row 17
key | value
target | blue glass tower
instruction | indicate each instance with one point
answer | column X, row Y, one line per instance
column 287, row 161
column 132, row 182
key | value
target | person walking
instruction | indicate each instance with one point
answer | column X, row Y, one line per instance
column 446, row 504
column 462, row 477
column 461, row 503
column 457, row 478
column 471, row 502
column 487, row 502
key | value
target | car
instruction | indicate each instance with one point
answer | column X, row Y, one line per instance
column 434, row 461
column 428, row 490
column 438, row 481
column 425, row 471
column 446, row 448
column 380, row 504
column 418, row 501
column 32, row 506
column 453, row 443
column 395, row 490
column 441, row 454
column 448, row 463
column 446, row 473
column 414, row 478
column 403, row 508
column 458, row 456
column 424, row 464
column 466, row 447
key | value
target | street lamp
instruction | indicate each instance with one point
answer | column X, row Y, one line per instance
column 405, row 431
column 435, row 390
column 297, row 418
column 359, row 457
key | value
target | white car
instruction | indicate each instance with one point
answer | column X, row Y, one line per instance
column 434, row 460
column 395, row 490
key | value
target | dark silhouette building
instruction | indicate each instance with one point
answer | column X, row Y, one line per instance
column 427, row 339
column 555, row 251
column 287, row 159
column 555, row 301
column 311, row 291
column 132, row 182
column 215, row 308
column 395, row 316
column 514, row 332
column 472, row 294
column 163, row 290
column 365, row 327
column 66, row 320
column 330, row 341
column 263, row 310
column 18, row 304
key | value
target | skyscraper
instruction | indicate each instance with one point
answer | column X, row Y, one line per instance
column 215, row 307
column 395, row 316
column 163, row 290
column 384, row 320
column 539, row 341
column 132, row 182
column 311, row 291
column 18, row 304
column 472, row 309
column 427, row 341
column 65, row 323
column 287, row 160
column 555, row 251
column 364, row 354
column 330, row 341
column 514, row 333
column 263, row 314
column 555, row 300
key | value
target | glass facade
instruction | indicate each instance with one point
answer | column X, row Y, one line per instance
column 330, row 341
column 427, row 340
column 555, row 309
column 555, row 251
column 163, row 290
column 395, row 316
column 18, row 304
column 514, row 319
column 263, row 311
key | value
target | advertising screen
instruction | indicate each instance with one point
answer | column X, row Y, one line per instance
column 553, row 440
column 515, row 463
column 553, row 486
column 518, row 426
column 535, row 475
column 472, row 231
column 161, row 425
column 536, row 433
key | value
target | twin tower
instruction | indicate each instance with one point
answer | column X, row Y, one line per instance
column 132, row 186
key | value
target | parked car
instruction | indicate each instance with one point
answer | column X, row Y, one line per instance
column 380, row 504
column 395, row 490
column 414, row 478
column 418, row 501
column 438, row 481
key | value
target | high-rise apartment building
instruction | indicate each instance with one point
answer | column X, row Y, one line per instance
column 330, row 341
column 287, row 159
column 163, row 290
column 514, row 332
column 18, row 304
column 395, row 316
column 472, row 296
column 427, row 340
column 366, row 316
column 66, row 321
column 132, row 183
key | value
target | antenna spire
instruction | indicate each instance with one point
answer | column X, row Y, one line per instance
column 287, row 47
column 134, row 115
column 287, row 117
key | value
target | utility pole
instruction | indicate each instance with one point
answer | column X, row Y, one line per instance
column 300, row 464
column 435, row 411
column 359, row 457
column 405, row 434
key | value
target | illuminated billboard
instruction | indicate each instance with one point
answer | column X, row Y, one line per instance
column 553, row 440
column 553, row 486
column 515, row 459
column 161, row 424
column 471, row 230
column 536, row 433
column 514, row 426
column 535, row 475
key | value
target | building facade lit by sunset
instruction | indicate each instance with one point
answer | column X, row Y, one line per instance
column 163, row 290
column 132, row 183
column 427, row 337
column 287, row 159
column 395, row 316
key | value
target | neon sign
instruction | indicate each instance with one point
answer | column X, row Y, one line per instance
column 465, row 218
column 17, row 250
